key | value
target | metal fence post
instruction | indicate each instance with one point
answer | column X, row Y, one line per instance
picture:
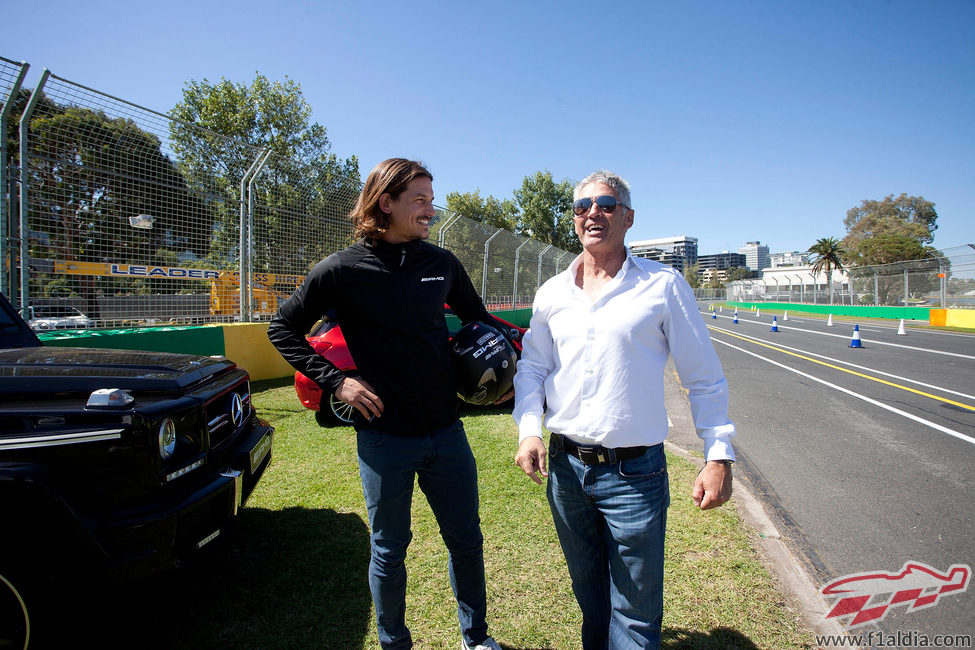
column 558, row 261
column 487, row 248
column 443, row 229
column 244, row 307
column 540, row 256
column 250, row 236
column 514, row 288
column 907, row 293
column 6, row 261
column 24, row 188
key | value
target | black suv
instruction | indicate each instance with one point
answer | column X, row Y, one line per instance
column 113, row 463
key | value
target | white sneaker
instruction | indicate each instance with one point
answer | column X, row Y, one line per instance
column 486, row 644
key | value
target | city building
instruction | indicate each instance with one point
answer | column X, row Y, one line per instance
column 678, row 252
column 791, row 258
column 756, row 255
column 721, row 261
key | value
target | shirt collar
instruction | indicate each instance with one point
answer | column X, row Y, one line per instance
column 574, row 266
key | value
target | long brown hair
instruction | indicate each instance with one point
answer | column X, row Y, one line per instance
column 391, row 176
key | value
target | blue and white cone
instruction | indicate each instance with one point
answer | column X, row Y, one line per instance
column 735, row 321
column 714, row 315
column 775, row 324
column 855, row 343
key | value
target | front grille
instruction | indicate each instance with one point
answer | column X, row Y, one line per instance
column 221, row 412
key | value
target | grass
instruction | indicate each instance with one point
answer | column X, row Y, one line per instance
column 293, row 575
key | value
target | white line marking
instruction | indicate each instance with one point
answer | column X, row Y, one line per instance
column 871, row 341
column 852, row 365
column 938, row 427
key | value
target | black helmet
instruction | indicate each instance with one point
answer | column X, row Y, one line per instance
column 484, row 363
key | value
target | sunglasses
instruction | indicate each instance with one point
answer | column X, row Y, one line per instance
column 606, row 203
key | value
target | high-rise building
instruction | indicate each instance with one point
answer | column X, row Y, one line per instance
column 678, row 252
column 721, row 261
column 756, row 255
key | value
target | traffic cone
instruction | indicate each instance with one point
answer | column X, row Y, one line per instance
column 900, row 330
column 785, row 316
column 735, row 321
column 829, row 323
column 775, row 324
column 721, row 308
column 855, row 343
column 758, row 312
column 714, row 315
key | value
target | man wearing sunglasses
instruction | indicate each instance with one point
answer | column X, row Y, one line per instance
column 592, row 368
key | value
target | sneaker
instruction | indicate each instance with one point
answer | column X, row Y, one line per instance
column 486, row 644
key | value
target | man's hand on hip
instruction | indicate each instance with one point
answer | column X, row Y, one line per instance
column 712, row 487
column 358, row 393
column 531, row 458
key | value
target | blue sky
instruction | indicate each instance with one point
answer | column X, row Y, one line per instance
column 732, row 120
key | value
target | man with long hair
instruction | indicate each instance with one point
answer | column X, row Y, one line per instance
column 388, row 291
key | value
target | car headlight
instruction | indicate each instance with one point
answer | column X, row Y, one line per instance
column 167, row 438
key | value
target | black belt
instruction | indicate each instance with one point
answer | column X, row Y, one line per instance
column 597, row 454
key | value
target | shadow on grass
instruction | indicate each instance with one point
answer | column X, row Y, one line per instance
column 677, row 639
column 720, row 638
column 291, row 578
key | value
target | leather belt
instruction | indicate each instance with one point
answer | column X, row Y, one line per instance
column 597, row 454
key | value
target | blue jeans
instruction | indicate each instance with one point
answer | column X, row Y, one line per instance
column 444, row 468
column 611, row 520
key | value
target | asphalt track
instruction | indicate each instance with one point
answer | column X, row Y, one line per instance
column 863, row 457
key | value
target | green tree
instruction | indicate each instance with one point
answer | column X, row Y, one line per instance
column 829, row 252
column 302, row 176
column 738, row 273
column 546, row 211
column 891, row 230
column 693, row 275
column 494, row 212
column 90, row 174
column 880, row 232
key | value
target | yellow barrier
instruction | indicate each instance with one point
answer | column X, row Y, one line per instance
column 960, row 318
column 247, row 345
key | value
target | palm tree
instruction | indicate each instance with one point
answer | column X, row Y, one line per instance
column 828, row 251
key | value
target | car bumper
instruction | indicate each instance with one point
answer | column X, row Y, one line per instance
column 309, row 393
column 163, row 535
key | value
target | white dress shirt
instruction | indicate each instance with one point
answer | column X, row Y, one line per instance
column 599, row 365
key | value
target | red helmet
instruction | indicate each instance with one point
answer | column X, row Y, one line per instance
column 484, row 363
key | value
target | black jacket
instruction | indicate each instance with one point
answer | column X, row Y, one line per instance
column 389, row 300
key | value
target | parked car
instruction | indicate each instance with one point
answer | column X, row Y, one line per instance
column 327, row 339
column 114, row 464
column 55, row 317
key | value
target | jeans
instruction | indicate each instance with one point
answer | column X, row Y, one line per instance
column 447, row 475
column 610, row 520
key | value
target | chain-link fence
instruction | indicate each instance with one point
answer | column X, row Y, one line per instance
column 12, row 76
column 943, row 280
column 133, row 218
column 946, row 279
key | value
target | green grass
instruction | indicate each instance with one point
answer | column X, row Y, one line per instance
column 294, row 573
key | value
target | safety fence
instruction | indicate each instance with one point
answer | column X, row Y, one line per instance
column 124, row 216
column 944, row 280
